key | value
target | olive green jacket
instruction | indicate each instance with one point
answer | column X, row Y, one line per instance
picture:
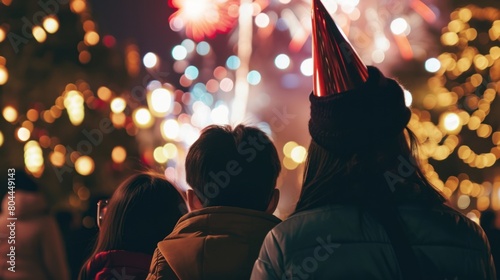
column 212, row 243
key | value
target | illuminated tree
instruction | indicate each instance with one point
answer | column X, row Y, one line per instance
column 57, row 77
column 464, row 147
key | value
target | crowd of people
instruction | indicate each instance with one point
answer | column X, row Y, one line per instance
column 366, row 210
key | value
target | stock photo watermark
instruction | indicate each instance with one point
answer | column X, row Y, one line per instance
column 406, row 168
column 48, row 8
column 11, row 219
column 308, row 265
column 121, row 275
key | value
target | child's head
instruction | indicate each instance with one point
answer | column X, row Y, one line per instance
column 233, row 167
column 142, row 211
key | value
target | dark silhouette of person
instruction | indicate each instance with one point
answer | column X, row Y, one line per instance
column 366, row 209
column 141, row 211
column 233, row 175
column 490, row 222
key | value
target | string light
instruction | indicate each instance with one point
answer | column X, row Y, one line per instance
column 51, row 24
column 462, row 85
column 9, row 114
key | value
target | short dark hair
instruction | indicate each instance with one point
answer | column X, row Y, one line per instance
column 233, row 167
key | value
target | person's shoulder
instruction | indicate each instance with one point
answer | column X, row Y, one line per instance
column 311, row 215
column 234, row 212
column 309, row 221
column 447, row 224
column 442, row 213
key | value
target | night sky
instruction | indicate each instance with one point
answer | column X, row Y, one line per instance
column 145, row 22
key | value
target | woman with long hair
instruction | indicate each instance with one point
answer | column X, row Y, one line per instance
column 142, row 211
column 366, row 210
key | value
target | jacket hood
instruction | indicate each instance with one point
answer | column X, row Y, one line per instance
column 27, row 204
column 216, row 242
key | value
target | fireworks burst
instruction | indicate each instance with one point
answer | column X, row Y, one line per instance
column 203, row 18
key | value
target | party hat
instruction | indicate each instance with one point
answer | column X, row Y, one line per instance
column 337, row 66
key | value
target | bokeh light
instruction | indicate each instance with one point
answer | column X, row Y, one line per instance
column 91, row 38
column 84, row 165
column 160, row 102
column 51, row 24
column 169, row 150
column 288, row 148
column 451, row 122
column 159, row 156
column 39, row 34
column 378, row 56
column 23, row 134
column 188, row 44
column 432, row 65
column 74, row 103
column 220, row 115
column 2, row 34
column 463, row 201
column 226, row 84
column 203, row 48
column 78, row 6
column 119, row 154
column 282, row 61
column 289, row 163
column 33, row 158
column 408, row 98
column 191, row 72
column 233, row 62
column 142, row 118
column 104, row 93
column 57, row 158
column 179, row 52
column 4, row 75
column 298, row 154
column 9, row 114
column 150, row 60
column 117, row 105
column 170, row 129
column 399, row 26
column 253, row 77
column 306, row 67
column 262, row 20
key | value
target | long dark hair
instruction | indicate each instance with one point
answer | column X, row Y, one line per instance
column 373, row 175
column 142, row 211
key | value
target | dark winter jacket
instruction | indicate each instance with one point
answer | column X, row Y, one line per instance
column 212, row 243
column 342, row 242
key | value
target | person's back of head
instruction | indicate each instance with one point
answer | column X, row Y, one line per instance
column 142, row 210
column 233, row 167
column 358, row 122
